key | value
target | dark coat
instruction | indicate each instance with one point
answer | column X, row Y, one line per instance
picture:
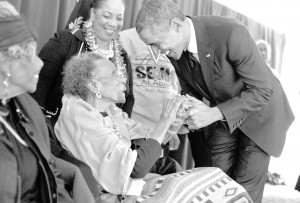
column 239, row 82
column 37, row 129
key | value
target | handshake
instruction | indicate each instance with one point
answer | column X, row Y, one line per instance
column 191, row 112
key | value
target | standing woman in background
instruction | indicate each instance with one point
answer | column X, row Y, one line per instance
column 100, row 34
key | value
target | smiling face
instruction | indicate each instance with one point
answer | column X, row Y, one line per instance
column 24, row 70
column 111, row 83
column 170, row 42
column 108, row 19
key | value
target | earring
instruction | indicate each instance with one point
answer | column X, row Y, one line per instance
column 98, row 94
column 5, row 83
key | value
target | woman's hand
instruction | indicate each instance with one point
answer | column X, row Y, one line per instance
column 180, row 115
column 170, row 108
column 167, row 117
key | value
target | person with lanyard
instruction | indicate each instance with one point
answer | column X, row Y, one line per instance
column 154, row 79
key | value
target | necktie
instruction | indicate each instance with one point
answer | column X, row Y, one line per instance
column 192, row 61
column 196, row 73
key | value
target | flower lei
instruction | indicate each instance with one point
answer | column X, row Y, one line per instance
column 115, row 48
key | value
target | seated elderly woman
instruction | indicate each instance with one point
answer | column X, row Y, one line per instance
column 28, row 171
column 94, row 130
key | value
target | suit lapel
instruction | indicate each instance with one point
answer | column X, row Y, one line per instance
column 186, row 71
column 206, row 61
column 205, row 53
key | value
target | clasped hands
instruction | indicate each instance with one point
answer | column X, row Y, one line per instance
column 192, row 112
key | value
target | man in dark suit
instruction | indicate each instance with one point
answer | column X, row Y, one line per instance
column 216, row 58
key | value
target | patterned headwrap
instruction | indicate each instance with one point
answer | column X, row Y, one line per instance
column 14, row 30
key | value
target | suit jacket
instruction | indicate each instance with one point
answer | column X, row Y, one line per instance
column 239, row 82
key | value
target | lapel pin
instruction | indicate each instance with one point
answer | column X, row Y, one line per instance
column 207, row 55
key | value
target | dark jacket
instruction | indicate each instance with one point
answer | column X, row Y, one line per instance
column 35, row 126
column 239, row 82
column 54, row 54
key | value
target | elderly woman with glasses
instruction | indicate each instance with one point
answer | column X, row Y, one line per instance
column 94, row 130
column 28, row 171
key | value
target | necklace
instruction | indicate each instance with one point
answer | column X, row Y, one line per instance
column 114, row 53
column 91, row 42
column 116, row 128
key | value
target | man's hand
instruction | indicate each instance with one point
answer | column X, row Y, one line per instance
column 200, row 115
column 170, row 108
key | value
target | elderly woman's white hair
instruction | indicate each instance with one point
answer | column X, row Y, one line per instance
column 77, row 72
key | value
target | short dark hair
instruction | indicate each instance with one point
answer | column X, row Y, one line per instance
column 82, row 9
column 158, row 12
column 99, row 3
